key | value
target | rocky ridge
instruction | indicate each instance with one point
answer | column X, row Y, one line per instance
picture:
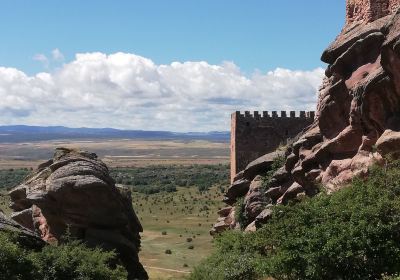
column 357, row 122
column 74, row 193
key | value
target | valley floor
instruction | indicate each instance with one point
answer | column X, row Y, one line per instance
column 183, row 217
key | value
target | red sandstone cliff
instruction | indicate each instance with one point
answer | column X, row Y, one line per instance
column 358, row 114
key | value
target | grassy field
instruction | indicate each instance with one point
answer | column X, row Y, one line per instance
column 177, row 221
column 4, row 202
column 183, row 218
column 119, row 153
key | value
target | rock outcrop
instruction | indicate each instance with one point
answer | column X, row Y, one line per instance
column 358, row 101
column 25, row 237
column 248, row 184
column 357, row 122
column 74, row 192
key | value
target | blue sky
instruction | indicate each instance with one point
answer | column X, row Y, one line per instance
column 261, row 34
column 243, row 38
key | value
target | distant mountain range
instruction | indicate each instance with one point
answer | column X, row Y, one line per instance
column 24, row 133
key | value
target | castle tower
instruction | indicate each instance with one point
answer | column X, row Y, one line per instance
column 369, row 10
column 255, row 135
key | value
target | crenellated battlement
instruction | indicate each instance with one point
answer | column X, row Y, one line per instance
column 258, row 133
column 256, row 115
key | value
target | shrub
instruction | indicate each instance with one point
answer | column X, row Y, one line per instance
column 14, row 264
column 189, row 239
column 191, row 247
column 12, row 177
column 240, row 213
column 75, row 261
column 164, row 233
column 69, row 261
column 168, row 252
column 352, row 234
column 233, row 266
column 159, row 178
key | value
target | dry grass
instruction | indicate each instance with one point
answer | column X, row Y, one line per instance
column 119, row 153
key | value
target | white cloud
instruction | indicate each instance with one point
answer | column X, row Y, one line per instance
column 57, row 55
column 56, row 58
column 42, row 59
column 129, row 91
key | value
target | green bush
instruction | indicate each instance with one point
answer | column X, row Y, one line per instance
column 14, row 263
column 163, row 178
column 352, row 234
column 69, row 261
column 240, row 213
column 75, row 261
column 233, row 266
column 12, row 177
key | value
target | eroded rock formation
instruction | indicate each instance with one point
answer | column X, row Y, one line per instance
column 74, row 192
column 358, row 113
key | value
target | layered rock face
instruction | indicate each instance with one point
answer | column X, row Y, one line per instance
column 358, row 101
column 358, row 113
column 74, row 192
column 369, row 10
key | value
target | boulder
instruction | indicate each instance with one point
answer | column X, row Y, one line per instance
column 238, row 176
column 255, row 199
column 263, row 217
column 24, row 218
column 225, row 222
column 224, row 211
column 274, row 193
column 260, row 165
column 238, row 189
column 389, row 143
column 219, row 227
column 291, row 193
column 25, row 237
column 251, row 227
column 75, row 191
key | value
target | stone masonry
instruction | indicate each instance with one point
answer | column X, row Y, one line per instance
column 369, row 10
column 255, row 135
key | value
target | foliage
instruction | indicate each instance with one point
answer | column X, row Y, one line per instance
column 279, row 161
column 233, row 266
column 14, row 264
column 351, row 234
column 68, row 261
column 12, row 177
column 240, row 213
column 163, row 178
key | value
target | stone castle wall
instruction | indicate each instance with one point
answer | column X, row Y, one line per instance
column 369, row 10
column 255, row 135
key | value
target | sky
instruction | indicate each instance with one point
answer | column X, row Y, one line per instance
column 175, row 65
